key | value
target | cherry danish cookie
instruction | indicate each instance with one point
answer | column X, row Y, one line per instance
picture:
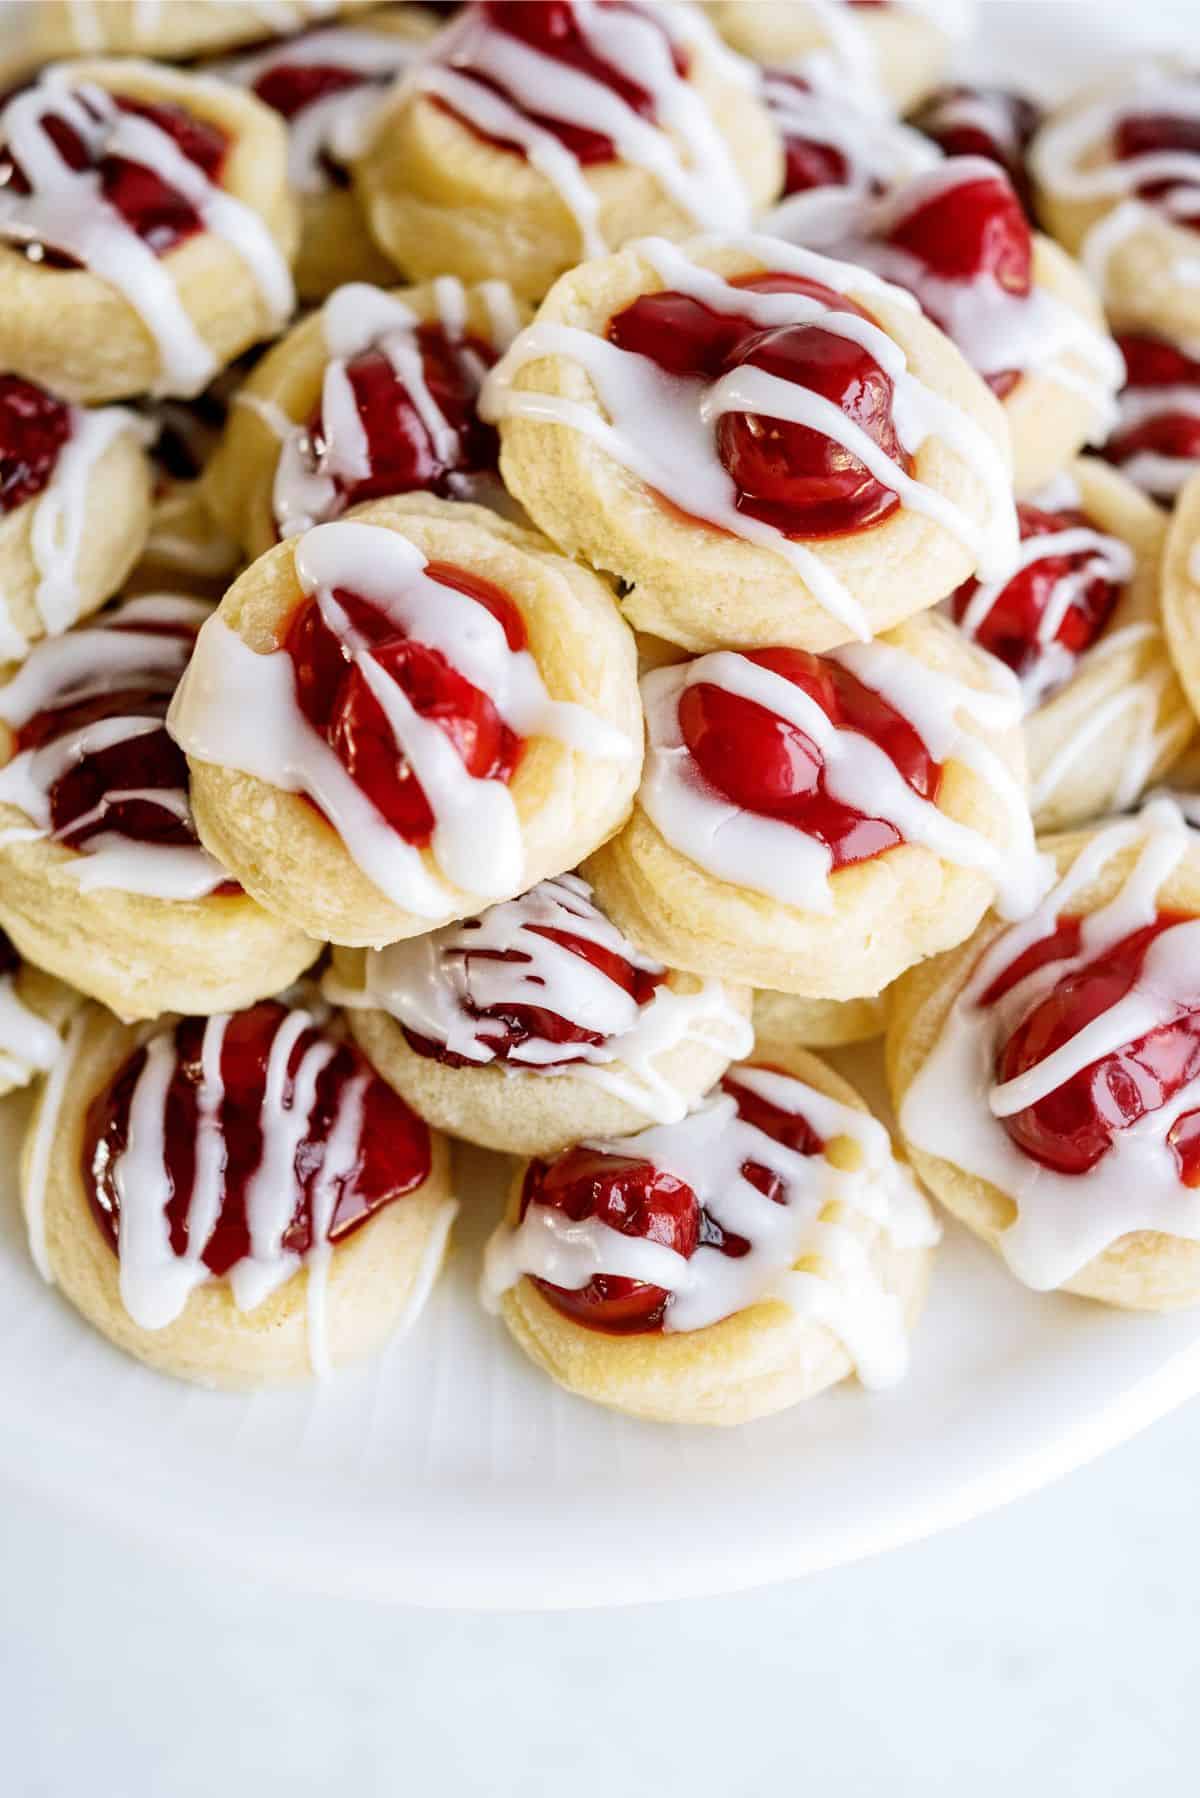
column 540, row 131
column 875, row 46
column 1046, row 1074
column 785, row 1020
column 326, row 84
column 1079, row 622
column 103, row 881
column 1181, row 590
column 1022, row 313
column 723, row 1267
column 816, row 824
column 374, row 395
column 766, row 446
column 835, row 141
column 145, row 229
column 539, row 1022
column 401, row 717
column 74, row 510
column 996, row 122
column 236, row 1200
column 1117, row 178
column 1155, row 441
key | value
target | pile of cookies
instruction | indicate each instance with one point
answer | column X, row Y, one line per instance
column 561, row 562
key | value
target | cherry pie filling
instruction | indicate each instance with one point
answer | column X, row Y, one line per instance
column 1153, row 362
column 334, row 697
column 969, row 133
column 1010, row 629
column 34, row 426
column 150, row 206
column 402, row 453
column 1075, row 1125
column 291, row 88
column 787, row 475
column 1152, row 133
column 393, row 1154
column 636, row 1198
column 970, row 231
column 553, row 29
column 110, row 791
column 808, row 162
column 505, row 1028
column 767, row 765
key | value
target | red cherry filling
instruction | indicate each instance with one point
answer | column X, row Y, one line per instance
column 393, row 1147
column 403, row 455
column 1073, row 1126
column 1152, row 133
column 768, row 765
column 34, row 426
column 1152, row 362
column 999, row 125
column 808, row 162
column 1010, row 629
column 788, row 475
column 150, row 206
column 553, row 28
column 335, row 698
column 290, row 88
column 639, row 1199
column 968, row 230
column 505, row 1028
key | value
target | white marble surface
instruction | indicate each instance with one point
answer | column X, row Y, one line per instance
column 1048, row 1649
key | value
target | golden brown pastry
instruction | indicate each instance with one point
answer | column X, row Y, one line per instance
column 538, row 1023
column 784, row 1019
column 238, row 1200
column 724, row 1267
column 404, row 715
column 814, row 825
column 1045, row 1073
column 537, row 134
column 145, row 229
column 171, row 29
column 693, row 418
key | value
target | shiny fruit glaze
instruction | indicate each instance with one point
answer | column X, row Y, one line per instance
column 1073, row 1126
column 768, row 765
column 553, row 29
column 787, row 475
column 402, row 454
column 638, row 1199
column 34, row 426
column 1153, row 133
column 85, row 801
column 505, row 1028
column 393, row 1146
column 334, row 697
column 1000, row 126
column 972, row 230
column 1010, row 630
column 1152, row 362
column 150, row 206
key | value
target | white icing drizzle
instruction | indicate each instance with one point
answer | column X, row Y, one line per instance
column 337, row 125
column 44, row 1135
column 58, row 518
column 663, row 429
column 29, row 1045
column 996, row 330
column 141, row 643
column 803, row 1252
column 237, row 709
column 436, row 985
column 1073, row 160
column 1140, row 700
column 776, row 858
column 954, row 1106
column 877, row 150
column 975, row 109
column 683, row 150
column 357, row 318
column 1107, row 558
column 65, row 210
column 1162, row 476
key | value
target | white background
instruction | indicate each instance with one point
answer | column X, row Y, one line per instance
column 1048, row 1649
